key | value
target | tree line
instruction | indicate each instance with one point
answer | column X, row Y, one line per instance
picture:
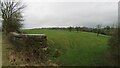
column 107, row 30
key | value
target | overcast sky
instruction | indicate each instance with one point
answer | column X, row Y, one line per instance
column 49, row 13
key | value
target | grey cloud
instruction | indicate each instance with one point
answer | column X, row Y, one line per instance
column 42, row 14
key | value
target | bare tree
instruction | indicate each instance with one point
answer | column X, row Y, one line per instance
column 77, row 28
column 11, row 12
column 70, row 28
column 98, row 29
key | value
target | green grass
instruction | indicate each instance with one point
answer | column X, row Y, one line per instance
column 78, row 48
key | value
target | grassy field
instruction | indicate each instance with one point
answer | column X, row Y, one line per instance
column 77, row 48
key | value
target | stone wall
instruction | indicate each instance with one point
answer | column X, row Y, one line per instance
column 30, row 48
